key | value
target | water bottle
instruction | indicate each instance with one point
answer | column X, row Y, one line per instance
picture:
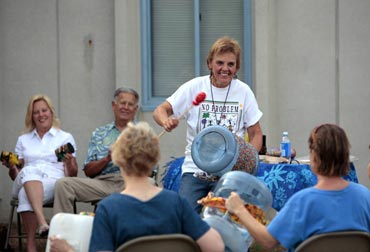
column 285, row 146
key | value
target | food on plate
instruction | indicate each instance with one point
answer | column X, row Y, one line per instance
column 218, row 202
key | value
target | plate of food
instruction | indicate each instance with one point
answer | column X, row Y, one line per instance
column 218, row 203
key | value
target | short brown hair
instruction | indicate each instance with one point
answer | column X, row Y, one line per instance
column 223, row 45
column 136, row 150
column 330, row 147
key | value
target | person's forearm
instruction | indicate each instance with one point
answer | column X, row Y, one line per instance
column 256, row 141
column 160, row 115
column 255, row 136
column 163, row 116
column 13, row 172
column 71, row 168
column 95, row 167
column 256, row 229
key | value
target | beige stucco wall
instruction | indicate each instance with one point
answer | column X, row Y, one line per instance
column 311, row 61
column 44, row 49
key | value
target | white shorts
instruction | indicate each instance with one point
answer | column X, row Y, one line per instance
column 47, row 175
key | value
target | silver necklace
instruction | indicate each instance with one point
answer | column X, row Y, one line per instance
column 218, row 121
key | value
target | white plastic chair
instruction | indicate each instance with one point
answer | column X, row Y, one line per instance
column 74, row 228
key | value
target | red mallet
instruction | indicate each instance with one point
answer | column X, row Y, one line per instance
column 198, row 100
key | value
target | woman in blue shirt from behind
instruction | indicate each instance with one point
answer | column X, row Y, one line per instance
column 333, row 204
column 142, row 208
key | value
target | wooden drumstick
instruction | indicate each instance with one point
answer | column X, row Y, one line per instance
column 198, row 100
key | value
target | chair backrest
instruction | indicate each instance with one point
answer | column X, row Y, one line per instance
column 344, row 241
column 160, row 243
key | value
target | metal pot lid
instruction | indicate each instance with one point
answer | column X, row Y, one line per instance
column 215, row 150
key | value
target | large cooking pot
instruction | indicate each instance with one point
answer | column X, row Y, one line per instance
column 216, row 150
column 236, row 238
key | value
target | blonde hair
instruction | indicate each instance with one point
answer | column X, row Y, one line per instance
column 224, row 45
column 136, row 150
column 29, row 123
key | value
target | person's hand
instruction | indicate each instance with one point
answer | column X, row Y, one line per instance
column 68, row 159
column 368, row 170
column 235, row 204
column 70, row 165
column 12, row 168
column 6, row 164
column 170, row 123
column 10, row 160
column 59, row 245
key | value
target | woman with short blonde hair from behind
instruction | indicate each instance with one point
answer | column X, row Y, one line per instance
column 142, row 208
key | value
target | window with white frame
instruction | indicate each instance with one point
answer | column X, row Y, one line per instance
column 176, row 36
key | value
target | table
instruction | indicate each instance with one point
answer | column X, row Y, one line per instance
column 283, row 180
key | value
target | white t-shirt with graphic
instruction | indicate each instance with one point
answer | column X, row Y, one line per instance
column 234, row 107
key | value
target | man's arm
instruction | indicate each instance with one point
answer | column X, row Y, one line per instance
column 93, row 168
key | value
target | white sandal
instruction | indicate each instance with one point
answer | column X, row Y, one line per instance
column 43, row 230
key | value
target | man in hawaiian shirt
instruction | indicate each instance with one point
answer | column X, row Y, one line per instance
column 103, row 177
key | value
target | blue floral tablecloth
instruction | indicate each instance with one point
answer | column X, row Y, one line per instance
column 283, row 180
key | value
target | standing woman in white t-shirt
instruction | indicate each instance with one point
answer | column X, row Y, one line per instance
column 38, row 168
column 229, row 103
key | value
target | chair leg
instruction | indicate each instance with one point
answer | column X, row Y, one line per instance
column 20, row 233
column 10, row 222
column 95, row 204
column 19, row 227
column 75, row 207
